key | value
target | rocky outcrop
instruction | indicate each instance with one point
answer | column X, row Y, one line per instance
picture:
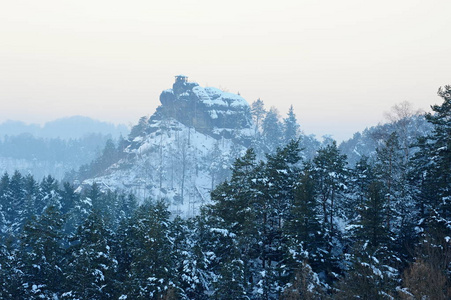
column 208, row 110
column 184, row 149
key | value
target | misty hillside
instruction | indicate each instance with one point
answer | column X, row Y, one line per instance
column 55, row 148
column 74, row 127
column 281, row 226
column 366, row 143
column 189, row 144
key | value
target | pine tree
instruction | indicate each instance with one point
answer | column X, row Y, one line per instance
column 361, row 177
column 91, row 262
column 291, row 127
column 437, row 149
column 303, row 227
column 69, row 198
column 5, row 207
column 330, row 175
column 372, row 229
column 150, row 263
column 140, row 128
column 233, row 199
column 370, row 261
column 280, row 174
column 10, row 274
column 31, row 189
column 272, row 131
column 329, row 172
column 49, row 194
column 432, row 180
column 239, row 219
column 389, row 170
column 41, row 255
column 17, row 203
column 258, row 113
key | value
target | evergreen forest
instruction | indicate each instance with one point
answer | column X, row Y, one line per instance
column 284, row 227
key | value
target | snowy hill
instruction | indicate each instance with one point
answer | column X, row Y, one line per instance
column 366, row 142
column 184, row 149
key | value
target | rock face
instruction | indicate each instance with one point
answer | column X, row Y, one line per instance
column 208, row 110
column 184, row 149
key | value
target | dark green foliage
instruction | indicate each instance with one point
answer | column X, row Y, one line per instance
column 303, row 228
column 41, row 255
column 372, row 228
column 91, row 262
column 433, row 175
column 148, row 244
column 112, row 152
column 281, row 228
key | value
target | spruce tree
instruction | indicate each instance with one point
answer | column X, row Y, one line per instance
column 17, row 203
column 329, row 172
column 91, row 262
column 438, row 150
column 272, row 131
column 150, row 263
column 291, row 127
column 5, row 207
column 303, row 227
column 31, row 189
column 258, row 113
column 49, row 194
column 41, row 255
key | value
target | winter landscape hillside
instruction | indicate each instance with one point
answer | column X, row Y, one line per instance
column 189, row 144
column 57, row 147
column 215, row 198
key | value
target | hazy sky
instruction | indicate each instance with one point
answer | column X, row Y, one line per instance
column 341, row 63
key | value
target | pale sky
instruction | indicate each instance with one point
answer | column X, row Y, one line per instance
column 341, row 64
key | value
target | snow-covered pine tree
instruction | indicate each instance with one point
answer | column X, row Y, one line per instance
column 49, row 194
column 234, row 218
column 31, row 189
column 258, row 114
column 91, row 269
column 272, row 131
column 438, row 150
column 147, row 240
column 303, row 227
column 41, row 256
column 17, row 203
column 290, row 126
column 330, row 173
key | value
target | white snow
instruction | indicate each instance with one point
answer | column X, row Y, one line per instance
column 160, row 155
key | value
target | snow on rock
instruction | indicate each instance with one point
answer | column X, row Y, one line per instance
column 205, row 108
column 185, row 148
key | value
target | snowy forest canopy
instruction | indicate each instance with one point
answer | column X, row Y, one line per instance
column 286, row 226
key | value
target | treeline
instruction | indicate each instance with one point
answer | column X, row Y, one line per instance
column 26, row 146
column 43, row 156
column 111, row 153
column 282, row 228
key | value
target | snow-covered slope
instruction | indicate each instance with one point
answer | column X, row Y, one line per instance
column 184, row 149
column 366, row 142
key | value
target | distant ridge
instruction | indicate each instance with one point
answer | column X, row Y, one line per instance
column 72, row 127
